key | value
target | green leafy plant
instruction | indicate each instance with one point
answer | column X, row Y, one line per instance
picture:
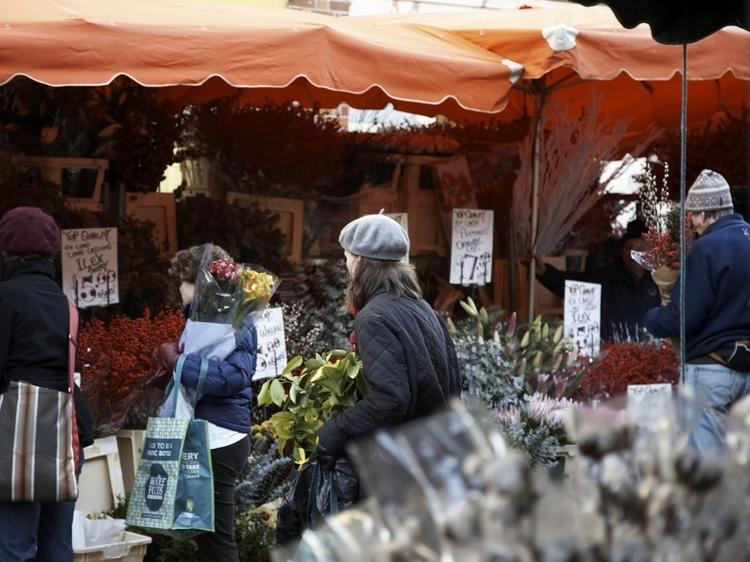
column 538, row 441
column 250, row 149
column 123, row 122
column 309, row 393
column 255, row 537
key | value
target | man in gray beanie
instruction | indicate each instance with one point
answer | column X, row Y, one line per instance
column 717, row 308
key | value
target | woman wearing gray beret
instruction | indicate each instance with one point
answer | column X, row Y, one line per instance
column 407, row 353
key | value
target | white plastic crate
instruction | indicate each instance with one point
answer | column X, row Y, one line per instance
column 132, row 548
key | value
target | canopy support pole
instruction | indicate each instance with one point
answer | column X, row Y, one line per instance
column 683, row 173
column 539, row 99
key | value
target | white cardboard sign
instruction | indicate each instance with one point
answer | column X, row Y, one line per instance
column 648, row 403
column 471, row 246
column 583, row 316
column 271, row 344
column 89, row 266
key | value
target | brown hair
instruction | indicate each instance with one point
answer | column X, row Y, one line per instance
column 716, row 215
column 372, row 276
column 185, row 263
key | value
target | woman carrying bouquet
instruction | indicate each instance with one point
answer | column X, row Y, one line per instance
column 407, row 353
column 225, row 404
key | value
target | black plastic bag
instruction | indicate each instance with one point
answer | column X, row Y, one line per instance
column 319, row 490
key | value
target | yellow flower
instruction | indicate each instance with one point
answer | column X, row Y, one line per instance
column 256, row 285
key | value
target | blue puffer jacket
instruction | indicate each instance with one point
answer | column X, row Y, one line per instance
column 227, row 394
column 717, row 291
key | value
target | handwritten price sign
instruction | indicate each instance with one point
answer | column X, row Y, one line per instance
column 89, row 266
column 271, row 344
column 92, row 288
column 471, row 247
column 583, row 303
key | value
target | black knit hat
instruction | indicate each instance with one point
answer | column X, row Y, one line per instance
column 635, row 229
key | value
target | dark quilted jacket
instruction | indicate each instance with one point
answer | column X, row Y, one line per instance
column 409, row 361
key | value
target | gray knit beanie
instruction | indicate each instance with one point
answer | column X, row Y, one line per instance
column 710, row 192
column 376, row 237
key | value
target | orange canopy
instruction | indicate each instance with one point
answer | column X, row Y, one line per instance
column 200, row 50
column 575, row 49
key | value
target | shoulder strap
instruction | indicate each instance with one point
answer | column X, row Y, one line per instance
column 72, row 344
column 201, row 379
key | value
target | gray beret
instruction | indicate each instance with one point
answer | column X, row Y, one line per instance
column 376, row 237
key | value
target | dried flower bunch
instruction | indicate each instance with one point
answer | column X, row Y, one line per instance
column 662, row 217
column 653, row 199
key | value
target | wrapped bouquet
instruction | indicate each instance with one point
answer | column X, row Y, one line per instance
column 227, row 293
column 227, row 296
column 662, row 218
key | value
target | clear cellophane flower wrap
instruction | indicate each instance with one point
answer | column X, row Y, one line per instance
column 643, row 489
column 358, row 533
column 429, row 479
column 228, row 294
column 445, row 488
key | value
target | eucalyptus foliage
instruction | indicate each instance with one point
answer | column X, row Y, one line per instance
column 511, row 367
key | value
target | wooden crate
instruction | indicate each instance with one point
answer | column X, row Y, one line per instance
column 101, row 483
column 130, row 447
column 158, row 208
column 51, row 170
column 291, row 218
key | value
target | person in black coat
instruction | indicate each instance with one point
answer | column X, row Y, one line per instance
column 34, row 326
column 628, row 291
column 407, row 353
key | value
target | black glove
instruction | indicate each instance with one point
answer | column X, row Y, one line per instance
column 326, row 460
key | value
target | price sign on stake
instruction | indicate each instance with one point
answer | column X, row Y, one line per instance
column 471, row 246
column 271, row 344
column 648, row 403
column 89, row 266
column 583, row 303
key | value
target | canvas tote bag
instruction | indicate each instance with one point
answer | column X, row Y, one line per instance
column 173, row 492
